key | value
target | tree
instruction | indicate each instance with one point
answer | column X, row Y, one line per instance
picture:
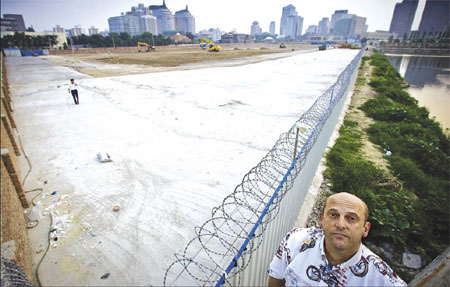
column 390, row 39
column 30, row 29
column 190, row 36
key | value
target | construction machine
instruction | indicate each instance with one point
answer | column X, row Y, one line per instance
column 149, row 48
column 212, row 46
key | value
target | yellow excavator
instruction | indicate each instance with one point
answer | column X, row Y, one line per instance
column 212, row 46
column 149, row 48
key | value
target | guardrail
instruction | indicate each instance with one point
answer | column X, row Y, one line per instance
column 264, row 205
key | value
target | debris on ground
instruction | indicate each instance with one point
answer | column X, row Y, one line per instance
column 104, row 157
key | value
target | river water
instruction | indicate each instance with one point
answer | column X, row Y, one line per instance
column 429, row 79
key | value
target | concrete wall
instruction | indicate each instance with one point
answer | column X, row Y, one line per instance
column 13, row 199
column 256, row 272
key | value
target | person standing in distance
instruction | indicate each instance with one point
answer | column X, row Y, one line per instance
column 74, row 91
column 334, row 254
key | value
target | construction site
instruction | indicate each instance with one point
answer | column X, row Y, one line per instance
column 111, row 192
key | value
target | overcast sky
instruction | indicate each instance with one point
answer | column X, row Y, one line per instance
column 225, row 14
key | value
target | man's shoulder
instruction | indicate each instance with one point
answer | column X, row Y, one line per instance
column 378, row 269
column 299, row 235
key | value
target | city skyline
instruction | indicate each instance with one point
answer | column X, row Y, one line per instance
column 46, row 14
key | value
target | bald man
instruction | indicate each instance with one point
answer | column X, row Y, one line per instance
column 334, row 254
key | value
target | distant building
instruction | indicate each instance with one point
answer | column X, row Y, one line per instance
column 148, row 23
column 294, row 27
column 324, row 26
column 272, row 28
column 236, row 38
column 12, row 22
column 165, row 21
column 76, row 31
column 92, row 31
column 358, row 26
column 124, row 24
column 338, row 15
column 211, row 34
column 342, row 27
column 379, row 35
column 255, row 29
column 435, row 19
column 403, row 17
column 312, row 29
column 286, row 12
column 349, row 26
column 184, row 21
column 58, row 29
column 180, row 38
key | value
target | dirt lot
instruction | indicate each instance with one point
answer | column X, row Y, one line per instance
column 113, row 63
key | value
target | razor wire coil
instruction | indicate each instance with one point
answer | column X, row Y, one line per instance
column 12, row 275
column 236, row 227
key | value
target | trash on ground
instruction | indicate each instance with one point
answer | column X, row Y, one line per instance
column 103, row 157
column 91, row 233
column 35, row 213
column 54, row 193
column 106, row 275
column 116, row 208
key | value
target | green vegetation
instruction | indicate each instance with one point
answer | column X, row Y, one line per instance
column 28, row 42
column 413, row 213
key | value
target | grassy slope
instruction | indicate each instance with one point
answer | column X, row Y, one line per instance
column 409, row 202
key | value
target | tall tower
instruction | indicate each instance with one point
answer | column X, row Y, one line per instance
column 165, row 20
column 184, row 21
column 287, row 11
column 338, row 15
column 403, row 17
column 324, row 26
column 255, row 29
column 272, row 28
column 435, row 19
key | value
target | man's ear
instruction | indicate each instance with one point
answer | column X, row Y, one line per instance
column 366, row 229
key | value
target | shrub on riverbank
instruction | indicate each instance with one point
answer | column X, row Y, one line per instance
column 413, row 214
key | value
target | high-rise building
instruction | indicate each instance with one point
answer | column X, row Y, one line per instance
column 127, row 23
column 294, row 26
column 403, row 17
column 58, row 29
column 76, row 31
column 140, row 10
column 92, row 31
column 165, row 20
column 148, row 24
column 350, row 26
column 184, row 21
column 255, row 29
column 312, row 29
column 358, row 26
column 16, row 22
column 435, row 19
column 287, row 11
column 324, row 26
column 338, row 15
column 272, row 28
column 342, row 27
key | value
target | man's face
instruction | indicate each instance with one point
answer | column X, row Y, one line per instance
column 72, row 81
column 343, row 223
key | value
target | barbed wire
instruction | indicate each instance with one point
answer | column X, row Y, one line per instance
column 236, row 227
column 12, row 275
